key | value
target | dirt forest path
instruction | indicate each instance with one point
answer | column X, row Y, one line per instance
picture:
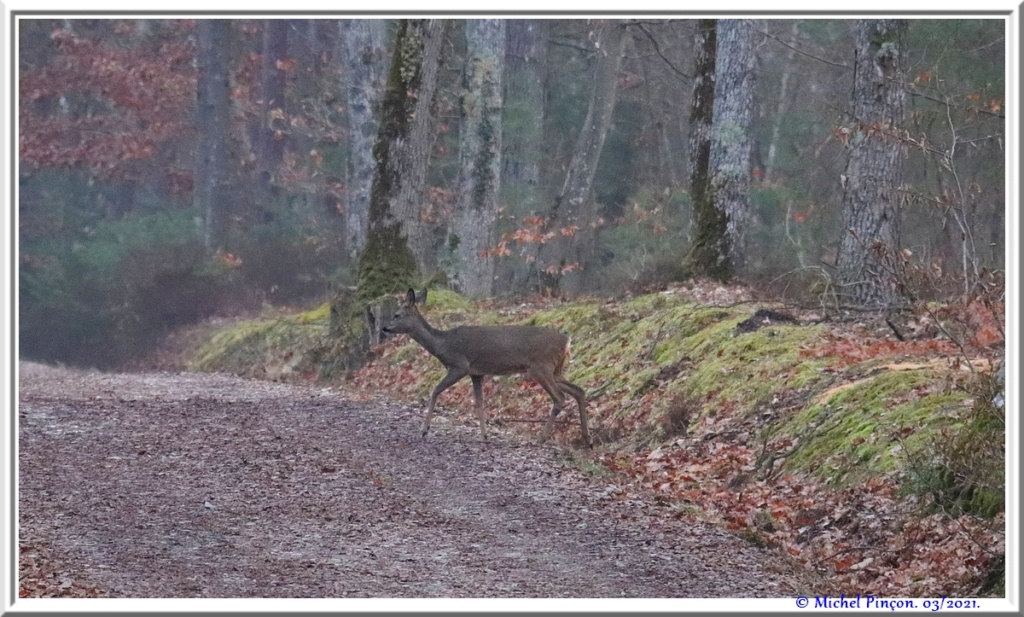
column 199, row 485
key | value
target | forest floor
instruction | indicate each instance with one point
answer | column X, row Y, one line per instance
column 151, row 485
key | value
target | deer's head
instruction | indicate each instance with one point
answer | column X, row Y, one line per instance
column 406, row 317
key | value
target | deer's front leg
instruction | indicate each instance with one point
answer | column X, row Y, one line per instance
column 449, row 380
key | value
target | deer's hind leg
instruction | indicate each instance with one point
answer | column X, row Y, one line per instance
column 478, row 402
column 577, row 393
column 549, row 382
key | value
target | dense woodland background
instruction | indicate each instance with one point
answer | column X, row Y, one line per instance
column 170, row 170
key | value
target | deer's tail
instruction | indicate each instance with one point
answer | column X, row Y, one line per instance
column 563, row 359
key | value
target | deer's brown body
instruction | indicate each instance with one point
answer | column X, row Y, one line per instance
column 478, row 351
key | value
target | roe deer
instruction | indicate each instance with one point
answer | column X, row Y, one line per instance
column 478, row 351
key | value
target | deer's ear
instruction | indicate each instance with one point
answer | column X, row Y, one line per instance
column 410, row 296
column 421, row 298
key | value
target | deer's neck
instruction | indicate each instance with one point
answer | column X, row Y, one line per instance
column 432, row 339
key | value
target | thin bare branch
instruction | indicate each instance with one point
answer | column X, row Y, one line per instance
column 980, row 110
column 804, row 53
column 657, row 50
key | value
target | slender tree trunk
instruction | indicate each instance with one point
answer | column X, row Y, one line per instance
column 710, row 253
column 785, row 100
column 731, row 131
column 388, row 262
column 365, row 60
column 657, row 167
column 870, row 203
column 273, row 121
column 526, row 55
column 574, row 209
column 304, row 49
column 479, row 156
column 213, row 125
column 666, row 159
column 525, row 85
column 312, row 43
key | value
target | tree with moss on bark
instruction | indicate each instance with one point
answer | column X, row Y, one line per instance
column 720, row 181
column 709, row 253
column 388, row 262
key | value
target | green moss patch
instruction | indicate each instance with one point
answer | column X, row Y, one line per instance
column 637, row 359
column 737, row 373
column 445, row 300
column 266, row 348
column 876, row 425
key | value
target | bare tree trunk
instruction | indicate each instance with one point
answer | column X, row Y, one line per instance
column 305, row 48
column 710, row 253
column 870, row 203
column 213, row 125
column 574, row 208
column 666, row 159
column 365, row 60
column 526, row 55
column 389, row 262
column 479, row 156
column 525, row 85
column 785, row 100
column 731, row 130
column 273, row 123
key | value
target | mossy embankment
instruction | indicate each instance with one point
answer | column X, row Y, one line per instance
column 657, row 368
column 275, row 345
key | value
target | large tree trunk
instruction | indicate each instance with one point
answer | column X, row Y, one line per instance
column 731, row 131
column 479, row 157
column 426, row 44
column 273, row 123
column 709, row 255
column 365, row 60
column 870, row 203
column 574, row 210
column 213, row 118
column 389, row 262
